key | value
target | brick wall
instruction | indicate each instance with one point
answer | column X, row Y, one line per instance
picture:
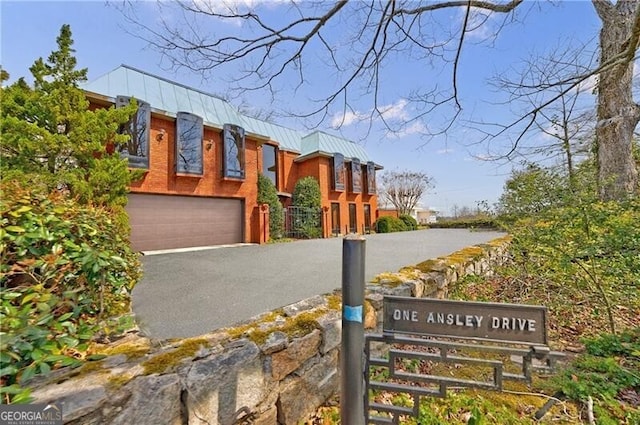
column 161, row 177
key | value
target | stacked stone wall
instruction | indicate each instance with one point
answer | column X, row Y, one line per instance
column 277, row 368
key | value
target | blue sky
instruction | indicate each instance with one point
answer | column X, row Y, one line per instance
column 102, row 43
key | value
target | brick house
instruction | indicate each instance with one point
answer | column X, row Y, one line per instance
column 202, row 158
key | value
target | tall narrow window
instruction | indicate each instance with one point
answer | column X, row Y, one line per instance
column 367, row 218
column 136, row 149
column 371, row 178
column 356, row 176
column 270, row 163
column 335, row 218
column 353, row 221
column 189, row 143
column 338, row 171
column 233, row 151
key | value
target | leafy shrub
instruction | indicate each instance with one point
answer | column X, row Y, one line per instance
column 593, row 246
column 409, row 222
column 65, row 269
column 306, row 193
column 267, row 194
column 467, row 223
column 308, row 219
column 389, row 224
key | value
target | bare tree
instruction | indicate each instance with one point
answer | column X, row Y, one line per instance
column 566, row 127
column 404, row 189
column 357, row 38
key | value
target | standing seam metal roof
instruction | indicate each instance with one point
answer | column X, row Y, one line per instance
column 170, row 98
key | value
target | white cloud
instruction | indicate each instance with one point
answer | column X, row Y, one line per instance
column 417, row 127
column 391, row 113
column 445, row 151
column 347, row 118
column 395, row 111
column 588, row 85
column 233, row 6
column 480, row 25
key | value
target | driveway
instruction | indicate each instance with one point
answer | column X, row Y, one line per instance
column 191, row 293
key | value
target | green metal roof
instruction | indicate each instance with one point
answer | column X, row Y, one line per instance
column 169, row 98
column 320, row 142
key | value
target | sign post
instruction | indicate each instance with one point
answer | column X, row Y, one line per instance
column 352, row 345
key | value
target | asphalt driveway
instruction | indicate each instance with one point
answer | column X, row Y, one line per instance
column 191, row 293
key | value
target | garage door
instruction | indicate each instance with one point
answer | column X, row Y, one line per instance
column 166, row 222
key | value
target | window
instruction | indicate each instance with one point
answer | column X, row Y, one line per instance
column 371, row 178
column 233, row 151
column 353, row 222
column 136, row 150
column 270, row 163
column 367, row 218
column 335, row 218
column 338, row 171
column 356, row 176
column 189, row 143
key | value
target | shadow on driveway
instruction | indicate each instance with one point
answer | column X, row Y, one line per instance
column 191, row 293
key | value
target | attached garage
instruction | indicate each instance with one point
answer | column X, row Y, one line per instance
column 167, row 222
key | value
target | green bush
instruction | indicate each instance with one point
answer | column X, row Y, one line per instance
column 593, row 245
column 306, row 195
column 409, row 222
column 267, row 194
column 467, row 223
column 388, row 224
column 65, row 270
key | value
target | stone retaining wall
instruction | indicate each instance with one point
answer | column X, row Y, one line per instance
column 276, row 368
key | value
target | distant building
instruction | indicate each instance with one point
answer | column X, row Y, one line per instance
column 201, row 159
column 423, row 215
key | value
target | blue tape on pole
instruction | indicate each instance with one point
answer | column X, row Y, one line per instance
column 352, row 313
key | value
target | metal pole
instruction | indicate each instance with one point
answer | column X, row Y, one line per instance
column 352, row 348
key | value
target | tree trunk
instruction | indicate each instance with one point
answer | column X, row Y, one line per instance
column 618, row 114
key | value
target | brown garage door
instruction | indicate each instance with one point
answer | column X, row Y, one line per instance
column 166, row 222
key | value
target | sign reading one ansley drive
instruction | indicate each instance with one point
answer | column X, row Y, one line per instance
column 466, row 319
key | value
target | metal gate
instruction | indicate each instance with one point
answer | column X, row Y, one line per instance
column 404, row 367
column 303, row 223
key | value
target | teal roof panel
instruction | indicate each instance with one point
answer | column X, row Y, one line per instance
column 170, row 98
column 319, row 141
column 164, row 95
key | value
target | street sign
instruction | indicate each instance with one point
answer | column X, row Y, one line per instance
column 465, row 319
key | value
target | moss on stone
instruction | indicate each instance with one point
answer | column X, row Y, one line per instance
column 131, row 350
column 163, row 362
column 334, row 302
column 117, row 381
column 388, row 279
column 430, row 266
column 90, row 367
column 293, row 327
